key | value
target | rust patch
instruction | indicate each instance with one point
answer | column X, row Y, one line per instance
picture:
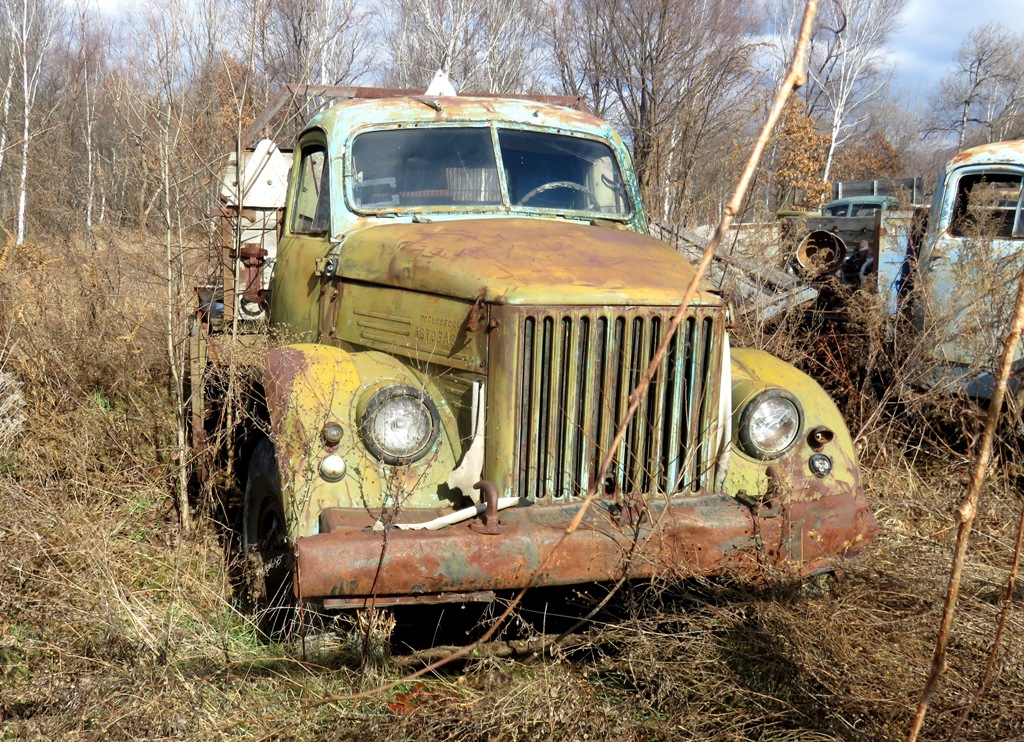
column 281, row 367
column 790, row 531
column 520, row 261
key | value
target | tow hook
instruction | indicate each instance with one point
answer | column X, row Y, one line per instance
column 761, row 508
column 488, row 523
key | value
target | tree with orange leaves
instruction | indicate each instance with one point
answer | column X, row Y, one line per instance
column 802, row 154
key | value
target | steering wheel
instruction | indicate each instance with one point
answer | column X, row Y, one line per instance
column 591, row 198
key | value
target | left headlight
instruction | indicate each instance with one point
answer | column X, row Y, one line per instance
column 770, row 424
column 400, row 424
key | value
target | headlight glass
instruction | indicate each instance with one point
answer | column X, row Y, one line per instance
column 770, row 424
column 400, row 424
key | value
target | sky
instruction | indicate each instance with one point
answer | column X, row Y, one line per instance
column 933, row 30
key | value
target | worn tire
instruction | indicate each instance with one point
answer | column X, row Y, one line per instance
column 267, row 554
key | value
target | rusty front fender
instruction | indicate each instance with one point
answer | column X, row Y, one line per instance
column 310, row 385
column 823, row 516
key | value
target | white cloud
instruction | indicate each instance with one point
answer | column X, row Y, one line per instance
column 922, row 50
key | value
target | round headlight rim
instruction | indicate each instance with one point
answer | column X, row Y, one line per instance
column 743, row 432
column 381, row 396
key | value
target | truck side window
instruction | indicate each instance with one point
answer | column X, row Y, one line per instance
column 311, row 212
column 988, row 206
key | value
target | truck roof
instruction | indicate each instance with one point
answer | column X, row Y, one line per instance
column 342, row 118
column 997, row 152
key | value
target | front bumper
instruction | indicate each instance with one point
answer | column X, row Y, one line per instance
column 685, row 536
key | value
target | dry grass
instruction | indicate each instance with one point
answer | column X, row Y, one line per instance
column 112, row 627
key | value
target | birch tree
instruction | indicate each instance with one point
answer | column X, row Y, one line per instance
column 984, row 94
column 7, row 52
column 32, row 27
column 87, row 63
column 847, row 64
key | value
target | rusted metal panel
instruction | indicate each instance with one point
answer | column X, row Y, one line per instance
column 897, row 256
column 308, row 385
column 834, row 526
column 995, row 153
column 423, row 328
column 483, row 596
column 357, row 562
column 821, row 516
column 519, row 261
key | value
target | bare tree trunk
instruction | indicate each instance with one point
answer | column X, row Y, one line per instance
column 26, row 110
column 963, row 126
column 174, row 278
column 90, row 152
column 6, row 107
column 23, row 179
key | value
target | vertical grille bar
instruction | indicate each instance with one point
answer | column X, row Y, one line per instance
column 638, row 446
column 592, row 358
column 701, row 442
column 534, row 423
column 576, row 369
column 596, row 384
column 699, row 390
column 609, row 377
column 625, row 377
column 553, row 328
column 659, row 393
column 575, row 344
column 677, row 403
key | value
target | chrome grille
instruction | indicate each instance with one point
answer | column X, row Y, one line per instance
column 576, row 369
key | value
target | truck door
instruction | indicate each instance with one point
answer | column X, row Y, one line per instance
column 294, row 301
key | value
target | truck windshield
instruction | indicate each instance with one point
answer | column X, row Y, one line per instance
column 455, row 169
column 988, row 206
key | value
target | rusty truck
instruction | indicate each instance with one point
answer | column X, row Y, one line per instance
column 952, row 269
column 460, row 294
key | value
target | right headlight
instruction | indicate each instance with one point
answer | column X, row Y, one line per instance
column 770, row 424
column 400, row 424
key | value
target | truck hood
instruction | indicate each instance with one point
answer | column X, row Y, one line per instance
column 520, row 261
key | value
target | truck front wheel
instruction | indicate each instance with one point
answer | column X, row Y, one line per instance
column 268, row 558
